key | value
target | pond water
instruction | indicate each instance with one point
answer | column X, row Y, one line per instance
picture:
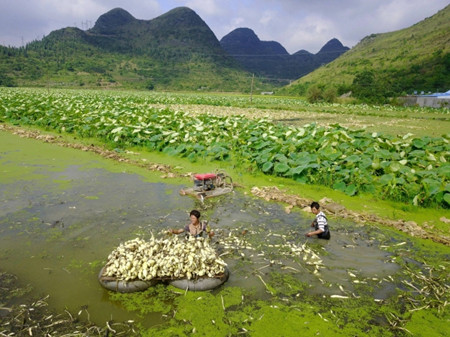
column 63, row 211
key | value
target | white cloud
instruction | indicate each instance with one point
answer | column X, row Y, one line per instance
column 206, row 7
column 23, row 21
column 403, row 13
column 310, row 34
column 268, row 17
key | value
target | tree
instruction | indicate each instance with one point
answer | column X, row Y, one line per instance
column 363, row 84
column 149, row 85
column 6, row 80
column 329, row 95
column 368, row 88
column 314, row 94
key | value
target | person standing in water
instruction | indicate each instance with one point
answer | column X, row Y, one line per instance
column 195, row 227
column 320, row 223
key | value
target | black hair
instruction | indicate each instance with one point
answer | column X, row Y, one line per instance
column 315, row 205
column 195, row 213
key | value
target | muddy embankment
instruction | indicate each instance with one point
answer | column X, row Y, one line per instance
column 269, row 193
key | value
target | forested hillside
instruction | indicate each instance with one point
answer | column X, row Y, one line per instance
column 390, row 64
column 174, row 51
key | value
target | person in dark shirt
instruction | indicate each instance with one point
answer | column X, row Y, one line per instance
column 195, row 227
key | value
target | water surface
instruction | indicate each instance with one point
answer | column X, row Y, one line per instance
column 62, row 211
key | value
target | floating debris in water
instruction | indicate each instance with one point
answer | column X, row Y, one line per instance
column 339, row 296
column 237, row 246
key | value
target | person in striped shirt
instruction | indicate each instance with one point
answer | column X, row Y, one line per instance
column 320, row 223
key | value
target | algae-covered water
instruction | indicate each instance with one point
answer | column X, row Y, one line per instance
column 62, row 211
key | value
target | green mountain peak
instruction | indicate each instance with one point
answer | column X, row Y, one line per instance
column 112, row 20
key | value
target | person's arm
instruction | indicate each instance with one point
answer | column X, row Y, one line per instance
column 315, row 232
column 176, row 231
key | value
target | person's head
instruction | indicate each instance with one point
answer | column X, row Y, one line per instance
column 194, row 215
column 315, row 207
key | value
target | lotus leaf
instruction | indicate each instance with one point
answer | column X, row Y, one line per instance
column 353, row 158
column 444, row 171
column 432, row 186
column 280, row 157
column 281, row 167
column 329, row 153
column 383, row 154
column 386, row 179
column 351, row 189
column 298, row 170
column 418, row 143
column 447, row 198
column 395, row 166
column 340, row 186
column 267, row 166
column 365, row 162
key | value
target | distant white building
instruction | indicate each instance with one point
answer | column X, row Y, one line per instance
column 436, row 100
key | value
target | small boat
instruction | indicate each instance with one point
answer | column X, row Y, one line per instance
column 208, row 185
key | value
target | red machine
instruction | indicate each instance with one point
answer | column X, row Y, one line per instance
column 204, row 182
column 209, row 185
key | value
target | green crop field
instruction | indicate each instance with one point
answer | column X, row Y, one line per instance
column 402, row 167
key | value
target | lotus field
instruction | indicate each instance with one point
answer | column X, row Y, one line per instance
column 401, row 168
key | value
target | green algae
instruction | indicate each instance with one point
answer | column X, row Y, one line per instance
column 431, row 252
column 53, row 157
column 202, row 313
column 31, row 149
column 91, row 197
column 286, row 284
column 232, row 311
column 429, row 323
column 63, row 184
column 280, row 320
column 289, row 312
column 154, row 299
column 208, row 314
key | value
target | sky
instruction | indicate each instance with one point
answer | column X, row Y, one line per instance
column 296, row 24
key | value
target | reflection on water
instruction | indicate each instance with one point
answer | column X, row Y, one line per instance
column 56, row 232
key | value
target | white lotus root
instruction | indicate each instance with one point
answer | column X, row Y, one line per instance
column 164, row 258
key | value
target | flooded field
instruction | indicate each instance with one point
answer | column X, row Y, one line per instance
column 62, row 211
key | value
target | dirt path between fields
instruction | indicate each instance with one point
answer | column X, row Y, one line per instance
column 269, row 193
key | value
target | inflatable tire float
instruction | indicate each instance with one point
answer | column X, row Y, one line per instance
column 112, row 283
column 201, row 284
